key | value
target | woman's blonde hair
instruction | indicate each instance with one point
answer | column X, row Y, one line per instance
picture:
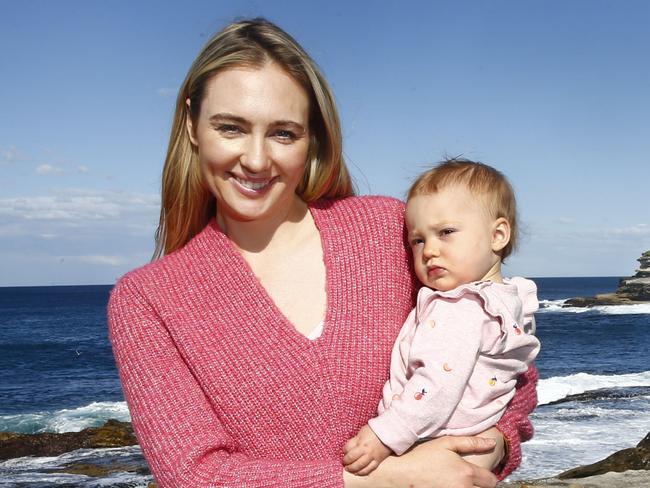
column 187, row 205
column 482, row 181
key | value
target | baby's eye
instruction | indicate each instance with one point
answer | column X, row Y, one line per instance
column 416, row 241
column 447, row 231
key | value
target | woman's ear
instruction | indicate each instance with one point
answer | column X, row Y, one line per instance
column 500, row 234
column 188, row 123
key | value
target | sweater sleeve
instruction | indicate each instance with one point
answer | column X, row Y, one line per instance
column 180, row 433
column 515, row 424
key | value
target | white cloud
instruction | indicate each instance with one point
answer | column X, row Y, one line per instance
column 48, row 169
column 98, row 259
column 166, row 92
column 12, row 154
column 632, row 230
column 590, row 233
column 81, row 206
column 82, row 168
column 76, row 235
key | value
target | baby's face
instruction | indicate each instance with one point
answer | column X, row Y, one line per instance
column 452, row 238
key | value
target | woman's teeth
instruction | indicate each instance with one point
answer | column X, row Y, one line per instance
column 253, row 185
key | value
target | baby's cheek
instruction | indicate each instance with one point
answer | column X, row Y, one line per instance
column 420, row 269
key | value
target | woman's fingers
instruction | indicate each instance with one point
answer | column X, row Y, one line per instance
column 468, row 445
column 481, row 477
column 499, row 449
column 484, row 478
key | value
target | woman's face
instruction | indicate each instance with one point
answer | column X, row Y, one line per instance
column 252, row 136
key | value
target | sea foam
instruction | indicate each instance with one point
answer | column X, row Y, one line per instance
column 66, row 420
column 549, row 306
column 43, row 472
column 558, row 387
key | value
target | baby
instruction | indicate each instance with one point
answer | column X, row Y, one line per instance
column 456, row 360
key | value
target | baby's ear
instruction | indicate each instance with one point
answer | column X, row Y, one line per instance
column 500, row 234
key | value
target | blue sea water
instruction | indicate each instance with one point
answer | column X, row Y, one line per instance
column 57, row 374
column 54, row 349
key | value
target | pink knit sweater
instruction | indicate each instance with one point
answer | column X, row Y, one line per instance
column 223, row 391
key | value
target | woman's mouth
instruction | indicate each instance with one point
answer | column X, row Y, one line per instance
column 252, row 187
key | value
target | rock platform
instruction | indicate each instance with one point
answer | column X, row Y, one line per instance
column 626, row 468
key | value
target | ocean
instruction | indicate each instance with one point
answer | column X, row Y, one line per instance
column 57, row 375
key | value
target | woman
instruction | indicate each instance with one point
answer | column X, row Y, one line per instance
column 260, row 342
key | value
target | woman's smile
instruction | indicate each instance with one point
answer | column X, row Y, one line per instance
column 252, row 187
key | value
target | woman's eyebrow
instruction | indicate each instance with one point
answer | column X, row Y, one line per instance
column 221, row 116
column 296, row 125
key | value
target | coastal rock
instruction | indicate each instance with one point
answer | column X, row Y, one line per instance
column 634, row 458
column 96, row 470
column 602, row 299
column 112, row 434
column 628, row 479
column 626, row 468
column 635, row 289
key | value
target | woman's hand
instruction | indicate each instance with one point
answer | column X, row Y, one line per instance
column 432, row 464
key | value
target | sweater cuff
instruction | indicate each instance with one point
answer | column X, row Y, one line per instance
column 392, row 432
column 512, row 457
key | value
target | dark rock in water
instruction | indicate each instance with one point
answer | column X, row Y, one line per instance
column 605, row 394
column 635, row 289
column 634, row 458
column 581, row 302
column 97, row 470
column 112, row 434
column 616, row 298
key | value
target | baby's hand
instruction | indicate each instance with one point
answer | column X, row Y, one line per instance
column 364, row 452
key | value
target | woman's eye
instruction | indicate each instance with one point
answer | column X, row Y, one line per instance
column 229, row 129
column 285, row 135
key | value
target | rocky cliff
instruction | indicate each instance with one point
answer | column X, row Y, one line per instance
column 635, row 289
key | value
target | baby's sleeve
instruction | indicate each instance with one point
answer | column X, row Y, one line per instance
column 441, row 359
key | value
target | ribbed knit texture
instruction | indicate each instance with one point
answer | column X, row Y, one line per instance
column 223, row 391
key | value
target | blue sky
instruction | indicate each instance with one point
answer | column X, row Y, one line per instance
column 556, row 94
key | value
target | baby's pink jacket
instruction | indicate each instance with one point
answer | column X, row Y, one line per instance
column 455, row 363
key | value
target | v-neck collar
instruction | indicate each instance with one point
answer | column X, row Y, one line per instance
column 259, row 294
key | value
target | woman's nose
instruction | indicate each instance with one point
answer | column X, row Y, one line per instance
column 255, row 157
